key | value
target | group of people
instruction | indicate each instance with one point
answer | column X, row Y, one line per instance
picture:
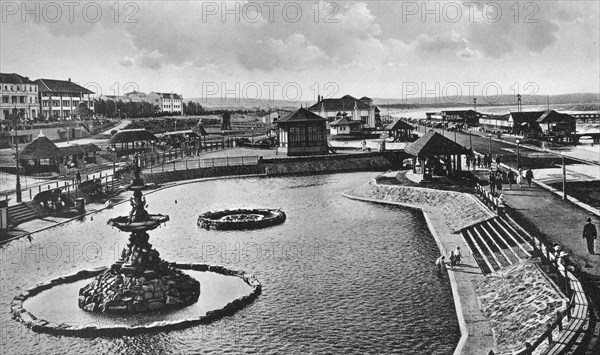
column 455, row 259
column 496, row 179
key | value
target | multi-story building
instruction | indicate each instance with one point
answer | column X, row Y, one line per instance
column 58, row 98
column 166, row 102
column 19, row 97
column 361, row 110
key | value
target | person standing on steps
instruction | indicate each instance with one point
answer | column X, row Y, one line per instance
column 529, row 177
column 589, row 234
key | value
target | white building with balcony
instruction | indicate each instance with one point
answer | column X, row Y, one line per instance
column 19, row 97
column 58, row 98
column 172, row 103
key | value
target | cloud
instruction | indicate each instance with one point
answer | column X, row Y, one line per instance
column 126, row 62
column 295, row 53
column 151, row 60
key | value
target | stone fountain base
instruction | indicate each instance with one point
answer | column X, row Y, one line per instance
column 139, row 282
column 116, row 292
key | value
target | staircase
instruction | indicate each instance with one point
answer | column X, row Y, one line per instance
column 22, row 213
column 496, row 244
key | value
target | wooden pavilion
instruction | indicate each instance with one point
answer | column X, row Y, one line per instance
column 41, row 155
column 138, row 138
column 400, row 130
column 302, row 132
column 437, row 155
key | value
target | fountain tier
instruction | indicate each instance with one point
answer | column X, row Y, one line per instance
column 139, row 281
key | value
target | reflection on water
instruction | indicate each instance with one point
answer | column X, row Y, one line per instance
column 216, row 291
column 339, row 276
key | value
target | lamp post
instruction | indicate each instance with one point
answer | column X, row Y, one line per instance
column 253, row 135
column 470, row 141
column 518, row 141
column 223, row 138
column 490, row 135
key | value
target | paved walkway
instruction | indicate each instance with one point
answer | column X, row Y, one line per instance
column 559, row 220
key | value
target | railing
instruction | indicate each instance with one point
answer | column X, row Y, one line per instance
column 570, row 285
column 494, row 203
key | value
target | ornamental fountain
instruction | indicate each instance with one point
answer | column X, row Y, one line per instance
column 140, row 281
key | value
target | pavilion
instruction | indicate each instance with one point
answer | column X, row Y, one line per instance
column 399, row 130
column 436, row 151
column 137, row 137
column 44, row 154
column 302, row 132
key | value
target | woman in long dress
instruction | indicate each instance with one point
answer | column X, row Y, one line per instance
column 520, row 177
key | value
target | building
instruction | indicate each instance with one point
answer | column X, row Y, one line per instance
column 58, row 98
column 302, row 132
column 469, row 117
column 172, row 103
column 361, row 110
column 556, row 125
column 274, row 116
column 19, row 97
column 344, row 127
column 496, row 123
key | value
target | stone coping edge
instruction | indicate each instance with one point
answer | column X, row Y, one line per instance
column 464, row 330
column 91, row 331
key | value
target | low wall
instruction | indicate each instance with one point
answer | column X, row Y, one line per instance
column 179, row 175
column 324, row 164
column 91, row 331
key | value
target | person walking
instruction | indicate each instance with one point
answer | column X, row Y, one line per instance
column 78, row 177
column 479, row 161
column 439, row 263
column 511, row 176
column 499, row 184
column 529, row 177
column 589, row 234
column 492, row 178
column 520, row 178
column 457, row 255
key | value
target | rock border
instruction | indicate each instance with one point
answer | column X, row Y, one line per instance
column 210, row 220
column 38, row 325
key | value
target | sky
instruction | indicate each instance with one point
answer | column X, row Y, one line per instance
column 296, row 50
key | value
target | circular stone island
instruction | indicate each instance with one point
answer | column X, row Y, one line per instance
column 241, row 219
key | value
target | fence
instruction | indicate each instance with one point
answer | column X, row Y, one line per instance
column 494, row 203
column 577, row 306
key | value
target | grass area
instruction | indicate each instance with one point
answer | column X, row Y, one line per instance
column 587, row 192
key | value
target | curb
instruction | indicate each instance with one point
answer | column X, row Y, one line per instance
column 38, row 325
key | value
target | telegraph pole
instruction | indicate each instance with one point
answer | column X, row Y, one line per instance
column 19, row 197
column 564, row 178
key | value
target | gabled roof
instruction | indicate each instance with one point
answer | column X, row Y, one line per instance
column 527, row 116
column 78, row 149
column 301, row 115
column 345, row 103
column 433, row 143
column 553, row 116
column 40, row 148
column 51, row 85
column 344, row 121
column 398, row 124
column 14, row 78
column 364, row 98
column 132, row 135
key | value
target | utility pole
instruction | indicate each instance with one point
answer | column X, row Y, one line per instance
column 564, row 178
column 19, row 197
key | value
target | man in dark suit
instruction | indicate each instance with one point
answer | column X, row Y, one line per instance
column 589, row 234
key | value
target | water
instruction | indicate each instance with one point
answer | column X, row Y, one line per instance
column 339, row 276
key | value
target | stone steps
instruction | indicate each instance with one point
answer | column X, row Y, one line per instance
column 22, row 213
column 495, row 244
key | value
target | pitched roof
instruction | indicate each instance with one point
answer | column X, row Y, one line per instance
column 527, row 116
column 40, row 148
column 553, row 116
column 132, row 135
column 364, row 98
column 301, row 115
column 14, row 78
column 61, row 86
column 344, row 121
column 78, row 149
column 398, row 124
column 344, row 103
column 433, row 143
